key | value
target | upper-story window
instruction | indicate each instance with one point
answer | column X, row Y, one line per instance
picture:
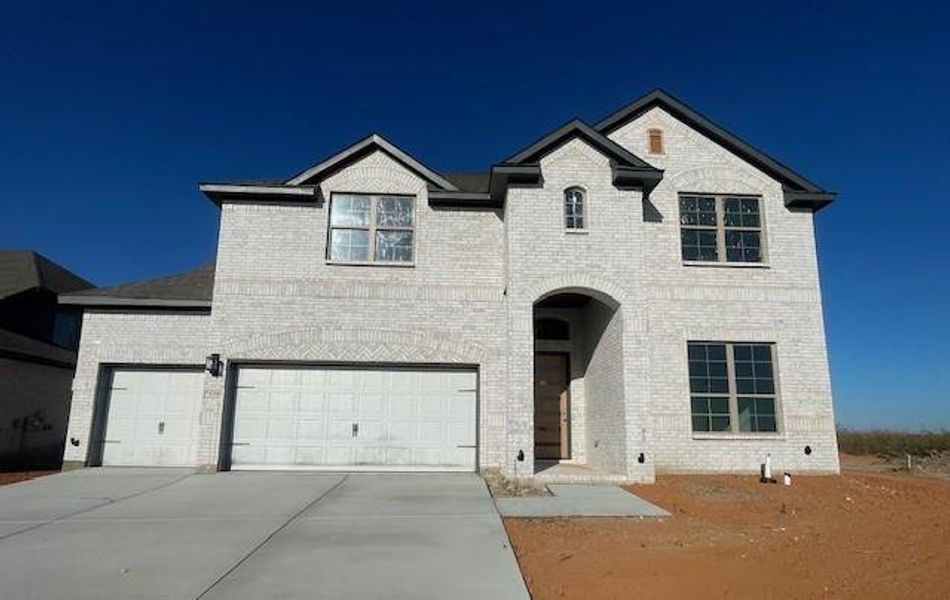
column 655, row 138
column 371, row 228
column 721, row 228
column 574, row 201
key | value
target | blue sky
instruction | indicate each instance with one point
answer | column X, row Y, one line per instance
column 112, row 112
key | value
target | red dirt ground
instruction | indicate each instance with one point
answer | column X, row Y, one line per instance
column 859, row 535
column 6, row 478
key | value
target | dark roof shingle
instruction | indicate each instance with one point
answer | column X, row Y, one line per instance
column 22, row 270
column 195, row 286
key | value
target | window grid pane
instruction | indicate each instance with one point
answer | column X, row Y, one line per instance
column 349, row 244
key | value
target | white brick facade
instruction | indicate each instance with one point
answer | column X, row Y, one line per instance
column 469, row 300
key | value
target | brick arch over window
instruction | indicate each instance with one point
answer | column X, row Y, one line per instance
column 720, row 179
column 355, row 345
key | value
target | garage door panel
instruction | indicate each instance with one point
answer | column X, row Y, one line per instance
column 431, row 432
column 311, row 430
column 430, row 407
column 342, row 403
column 405, row 417
column 312, row 403
column 340, row 429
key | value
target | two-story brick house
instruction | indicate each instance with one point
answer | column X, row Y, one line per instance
column 615, row 300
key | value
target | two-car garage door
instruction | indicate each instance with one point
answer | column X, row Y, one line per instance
column 354, row 418
column 298, row 418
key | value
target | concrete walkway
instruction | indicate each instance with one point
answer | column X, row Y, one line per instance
column 137, row 533
column 570, row 500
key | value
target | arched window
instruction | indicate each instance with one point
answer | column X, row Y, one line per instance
column 551, row 329
column 574, row 200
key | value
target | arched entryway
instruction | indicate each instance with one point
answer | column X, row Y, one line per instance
column 579, row 381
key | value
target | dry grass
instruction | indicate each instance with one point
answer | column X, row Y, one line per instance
column 893, row 443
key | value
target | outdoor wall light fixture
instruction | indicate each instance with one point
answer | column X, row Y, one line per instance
column 213, row 365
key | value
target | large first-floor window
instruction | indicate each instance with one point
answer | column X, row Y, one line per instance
column 732, row 387
column 371, row 228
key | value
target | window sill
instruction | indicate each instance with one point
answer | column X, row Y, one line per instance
column 737, row 265
column 738, row 436
column 345, row 263
column 577, row 231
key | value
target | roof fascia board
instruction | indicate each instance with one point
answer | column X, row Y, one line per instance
column 810, row 200
column 362, row 147
column 222, row 192
column 505, row 175
column 275, row 190
column 624, row 177
column 35, row 359
column 80, row 300
column 445, row 199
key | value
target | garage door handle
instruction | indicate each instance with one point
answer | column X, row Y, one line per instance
column 356, row 429
column 240, row 443
column 466, row 446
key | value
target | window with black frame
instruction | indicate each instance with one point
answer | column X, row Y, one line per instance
column 721, row 228
column 732, row 387
column 574, row 205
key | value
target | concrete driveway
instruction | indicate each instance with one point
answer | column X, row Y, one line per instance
column 162, row 533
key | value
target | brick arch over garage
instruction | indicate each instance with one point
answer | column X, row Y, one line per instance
column 355, row 345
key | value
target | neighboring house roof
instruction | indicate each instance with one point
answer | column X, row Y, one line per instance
column 191, row 289
column 22, row 270
column 799, row 191
column 14, row 345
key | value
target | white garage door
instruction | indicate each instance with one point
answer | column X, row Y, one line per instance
column 352, row 418
column 153, row 418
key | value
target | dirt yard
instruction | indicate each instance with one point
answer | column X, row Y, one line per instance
column 14, row 477
column 862, row 535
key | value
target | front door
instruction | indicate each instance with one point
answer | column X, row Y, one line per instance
column 551, row 426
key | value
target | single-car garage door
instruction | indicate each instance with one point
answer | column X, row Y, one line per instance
column 153, row 418
column 354, row 418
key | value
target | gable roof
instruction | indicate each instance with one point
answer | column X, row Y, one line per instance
column 575, row 128
column 362, row 148
column 22, row 270
column 799, row 191
column 191, row 289
column 628, row 169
